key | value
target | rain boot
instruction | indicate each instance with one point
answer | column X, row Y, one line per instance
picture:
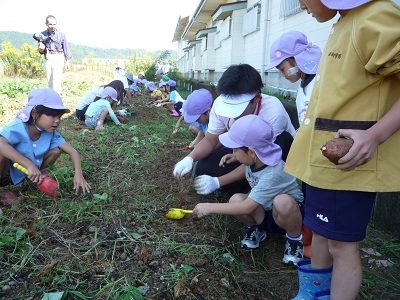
column 174, row 113
column 312, row 280
column 323, row 295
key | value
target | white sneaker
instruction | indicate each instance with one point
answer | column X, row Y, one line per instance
column 254, row 236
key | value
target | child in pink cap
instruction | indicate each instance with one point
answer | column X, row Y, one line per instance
column 356, row 95
column 174, row 101
column 98, row 110
column 196, row 111
column 32, row 141
column 275, row 203
column 297, row 59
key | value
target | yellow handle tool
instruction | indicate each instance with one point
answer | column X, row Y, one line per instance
column 21, row 168
column 177, row 213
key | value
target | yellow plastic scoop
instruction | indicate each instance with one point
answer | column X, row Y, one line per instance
column 177, row 213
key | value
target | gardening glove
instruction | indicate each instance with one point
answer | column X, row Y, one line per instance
column 122, row 112
column 205, row 184
column 183, row 167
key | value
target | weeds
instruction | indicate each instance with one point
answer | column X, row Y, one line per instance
column 115, row 242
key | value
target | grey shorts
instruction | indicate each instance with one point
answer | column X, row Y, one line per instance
column 92, row 121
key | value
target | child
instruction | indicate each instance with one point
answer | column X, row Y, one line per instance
column 356, row 94
column 100, row 109
column 93, row 94
column 296, row 58
column 274, row 203
column 32, row 141
column 196, row 110
column 160, row 92
column 150, row 87
column 174, row 101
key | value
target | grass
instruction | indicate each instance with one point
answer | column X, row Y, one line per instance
column 115, row 243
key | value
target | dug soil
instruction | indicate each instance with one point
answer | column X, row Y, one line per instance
column 145, row 251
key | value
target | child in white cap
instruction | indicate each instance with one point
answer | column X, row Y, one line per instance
column 32, row 141
column 196, row 111
column 297, row 59
column 356, row 95
column 274, row 203
column 101, row 108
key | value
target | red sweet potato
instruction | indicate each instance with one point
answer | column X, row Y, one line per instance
column 336, row 148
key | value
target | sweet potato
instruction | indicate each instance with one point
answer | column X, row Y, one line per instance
column 336, row 148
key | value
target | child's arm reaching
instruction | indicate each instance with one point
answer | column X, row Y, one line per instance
column 246, row 207
column 79, row 180
column 227, row 159
column 8, row 151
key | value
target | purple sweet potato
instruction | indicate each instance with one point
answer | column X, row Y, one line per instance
column 336, row 148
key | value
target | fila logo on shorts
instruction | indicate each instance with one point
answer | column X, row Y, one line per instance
column 322, row 218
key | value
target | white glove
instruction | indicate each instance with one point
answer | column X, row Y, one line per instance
column 183, row 167
column 205, row 184
column 122, row 112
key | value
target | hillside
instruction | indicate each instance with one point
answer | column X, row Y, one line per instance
column 79, row 51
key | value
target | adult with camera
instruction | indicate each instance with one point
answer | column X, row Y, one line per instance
column 53, row 44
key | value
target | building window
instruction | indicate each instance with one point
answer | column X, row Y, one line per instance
column 204, row 43
column 251, row 20
column 225, row 29
column 289, row 8
column 217, row 41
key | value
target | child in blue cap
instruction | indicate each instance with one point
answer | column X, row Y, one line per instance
column 274, row 203
column 32, row 141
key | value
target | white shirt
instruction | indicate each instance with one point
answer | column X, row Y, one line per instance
column 271, row 110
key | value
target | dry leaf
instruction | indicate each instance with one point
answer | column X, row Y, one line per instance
column 144, row 255
column 181, row 290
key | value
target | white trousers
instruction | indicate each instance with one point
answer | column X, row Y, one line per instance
column 54, row 66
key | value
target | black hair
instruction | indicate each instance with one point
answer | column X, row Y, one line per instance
column 240, row 79
column 43, row 110
column 118, row 86
column 244, row 148
column 171, row 88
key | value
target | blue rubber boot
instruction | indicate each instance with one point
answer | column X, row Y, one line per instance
column 323, row 295
column 312, row 280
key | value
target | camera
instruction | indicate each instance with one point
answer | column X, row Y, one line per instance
column 39, row 39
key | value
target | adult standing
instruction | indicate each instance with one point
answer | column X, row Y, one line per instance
column 55, row 50
column 240, row 95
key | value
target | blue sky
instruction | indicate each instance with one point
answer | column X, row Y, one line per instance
column 132, row 24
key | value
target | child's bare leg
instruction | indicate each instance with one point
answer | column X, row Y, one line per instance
column 170, row 105
column 347, row 270
column 321, row 258
column 50, row 157
column 103, row 116
column 257, row 215
column 287, row 214
column 4, row 166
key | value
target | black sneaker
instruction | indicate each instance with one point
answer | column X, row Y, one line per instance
column 253, row 238
column 294, row 251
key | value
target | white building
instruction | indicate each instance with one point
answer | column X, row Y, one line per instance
column 221, row 33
